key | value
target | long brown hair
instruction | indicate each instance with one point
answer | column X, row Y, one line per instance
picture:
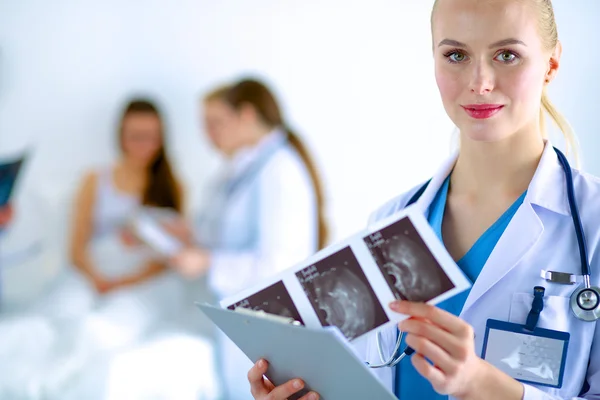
column 256, row 94
column 161, row 189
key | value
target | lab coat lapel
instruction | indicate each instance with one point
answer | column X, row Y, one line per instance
column 546, row 190
column 520, row 236
column 436, row 182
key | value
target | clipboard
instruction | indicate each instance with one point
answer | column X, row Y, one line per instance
column 145, row 224
column 327, row 365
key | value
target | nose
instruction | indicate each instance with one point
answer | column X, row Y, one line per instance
column 482, row 79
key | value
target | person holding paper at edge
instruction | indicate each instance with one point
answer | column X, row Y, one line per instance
column 6, row 214
column 265, row 213
column 505, row 207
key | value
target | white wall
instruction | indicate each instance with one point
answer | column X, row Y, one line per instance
column 355, row 77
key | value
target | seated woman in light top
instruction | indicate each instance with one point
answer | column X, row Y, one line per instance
column 118, row 290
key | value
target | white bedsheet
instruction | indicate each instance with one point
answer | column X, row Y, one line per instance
column 72, row 343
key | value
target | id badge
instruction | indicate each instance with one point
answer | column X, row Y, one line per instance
column 536, row 357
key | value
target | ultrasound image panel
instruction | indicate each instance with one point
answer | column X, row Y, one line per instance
column 341, row 295
column 411, row 271
column 274, row 299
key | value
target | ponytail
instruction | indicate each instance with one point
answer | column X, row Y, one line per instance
column 300, row 148
column 561, row 122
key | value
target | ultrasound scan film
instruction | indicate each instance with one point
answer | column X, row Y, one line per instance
column 274, row 299
column 341, row 295
column 408, row 266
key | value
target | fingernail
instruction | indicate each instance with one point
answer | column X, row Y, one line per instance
column 297, row 384
column 313, row 396
column 261, row 363
column 396, row 305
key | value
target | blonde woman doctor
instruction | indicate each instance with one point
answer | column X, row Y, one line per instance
column 266, row 212
column 501, row 207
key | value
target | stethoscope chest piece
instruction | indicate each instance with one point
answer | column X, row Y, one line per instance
column 585, row 303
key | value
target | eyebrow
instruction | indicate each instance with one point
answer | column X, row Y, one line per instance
column 505, row 42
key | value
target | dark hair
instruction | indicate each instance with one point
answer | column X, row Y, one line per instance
column 257, row 95
column 161, row 189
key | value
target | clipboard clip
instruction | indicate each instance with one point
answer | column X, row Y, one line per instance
column 265, row 315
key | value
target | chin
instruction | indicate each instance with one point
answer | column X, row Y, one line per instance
column 487, row 131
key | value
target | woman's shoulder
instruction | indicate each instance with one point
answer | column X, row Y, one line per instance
column 587, row 193
column 584, row 181
column 93, row 177
column 286, row 165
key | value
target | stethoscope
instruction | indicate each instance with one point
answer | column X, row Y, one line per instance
column 585, row 301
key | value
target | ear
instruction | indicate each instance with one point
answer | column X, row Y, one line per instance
column 247, row 112
column 554, row 62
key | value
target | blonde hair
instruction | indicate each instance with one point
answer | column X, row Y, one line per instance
column 549, row 35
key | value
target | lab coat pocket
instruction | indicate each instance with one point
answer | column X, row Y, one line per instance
column 555, row 315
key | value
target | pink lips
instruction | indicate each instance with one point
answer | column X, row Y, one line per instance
column 482, row 111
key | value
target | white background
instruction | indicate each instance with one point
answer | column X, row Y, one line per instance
column 355, row 79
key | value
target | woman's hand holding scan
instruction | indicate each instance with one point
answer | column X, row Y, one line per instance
column 449, row 343
column 180, row 229
column 6, row 214
column 263, row 389
column 129, row 239
column 191, row 262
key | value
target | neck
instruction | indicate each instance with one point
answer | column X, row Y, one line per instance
column 257, row 134
column 251, row 139
column 485, row 169
column 133, row 168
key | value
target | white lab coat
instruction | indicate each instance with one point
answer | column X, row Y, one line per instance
column 267, row 225
column 540, row 236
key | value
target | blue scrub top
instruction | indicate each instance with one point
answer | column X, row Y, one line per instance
column 410, row 385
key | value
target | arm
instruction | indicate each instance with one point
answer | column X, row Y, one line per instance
column 152, row 268
column 81, row 232
column 287, row 229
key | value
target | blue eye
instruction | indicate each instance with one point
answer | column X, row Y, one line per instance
column 507, row 57
column 456, row 57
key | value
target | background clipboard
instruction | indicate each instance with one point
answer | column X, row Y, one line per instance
column 317, row 356
column 9, row 171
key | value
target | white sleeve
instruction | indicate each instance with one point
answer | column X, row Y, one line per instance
column 287, row 229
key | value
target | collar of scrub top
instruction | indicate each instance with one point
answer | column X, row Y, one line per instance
column 246, row 156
